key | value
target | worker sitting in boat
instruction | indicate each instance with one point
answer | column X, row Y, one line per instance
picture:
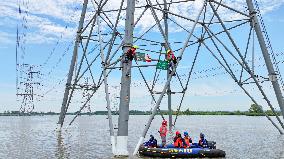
column 202, row 141
column 129, row 55
column 163, row 132
column 187, row 139
column 179, row 141
column 152, row 142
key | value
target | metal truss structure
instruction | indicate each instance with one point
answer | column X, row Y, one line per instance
column 27, row 84
column 102, row 42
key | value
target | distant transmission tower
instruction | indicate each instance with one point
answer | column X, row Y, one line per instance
column 27, row 75
column 27, row 86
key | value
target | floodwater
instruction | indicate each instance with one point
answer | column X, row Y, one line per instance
column 88, row 137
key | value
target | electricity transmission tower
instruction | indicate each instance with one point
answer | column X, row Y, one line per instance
column 104, row 40
column 28, row 84
column 27, row 75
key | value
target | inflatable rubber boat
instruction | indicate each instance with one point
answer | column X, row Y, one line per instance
column 193, row 151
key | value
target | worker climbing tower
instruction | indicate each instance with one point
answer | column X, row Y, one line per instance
column 106, row 36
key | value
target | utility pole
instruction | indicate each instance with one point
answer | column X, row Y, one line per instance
column 271, row 72
column 169, row 92
column 122, row 135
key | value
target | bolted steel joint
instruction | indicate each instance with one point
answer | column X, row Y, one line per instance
column 272, row 77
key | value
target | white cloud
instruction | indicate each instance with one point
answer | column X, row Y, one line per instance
column 5, row 38
column 46, row 19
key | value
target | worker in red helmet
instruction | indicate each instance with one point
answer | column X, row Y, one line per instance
column 178, row 140
column 163, row 132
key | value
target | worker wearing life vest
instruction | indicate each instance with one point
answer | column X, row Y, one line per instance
column 202, row 141
column 187, row 139
column 152, row 142
column 130, row 53
column 178, row 140
column 163, row 132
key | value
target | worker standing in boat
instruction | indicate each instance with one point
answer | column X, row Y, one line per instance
column 202, row 141
column 163, row 132
column 187, row 139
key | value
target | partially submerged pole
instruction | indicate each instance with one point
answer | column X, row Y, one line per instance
column 154, row 111
column 271, row 72
column 72, row 65
column 122, row 135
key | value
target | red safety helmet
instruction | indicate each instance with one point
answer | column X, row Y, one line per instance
column 177, row 132
column 164, row 122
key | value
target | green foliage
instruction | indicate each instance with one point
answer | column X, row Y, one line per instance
column 255, row 109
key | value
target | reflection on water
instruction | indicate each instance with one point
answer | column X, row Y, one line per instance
column 88, row 137
column 61, row 150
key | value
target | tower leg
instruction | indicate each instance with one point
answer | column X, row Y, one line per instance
column 122, row 135
column 72, row 65
column 271, row 72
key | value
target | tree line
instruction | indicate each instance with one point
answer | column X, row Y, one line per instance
column 254, row 110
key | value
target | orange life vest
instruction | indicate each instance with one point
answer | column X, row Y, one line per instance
column 187, row 141
column 178, row 142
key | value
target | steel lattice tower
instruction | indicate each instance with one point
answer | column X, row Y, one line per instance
column 27, row 87
column 209, row 32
